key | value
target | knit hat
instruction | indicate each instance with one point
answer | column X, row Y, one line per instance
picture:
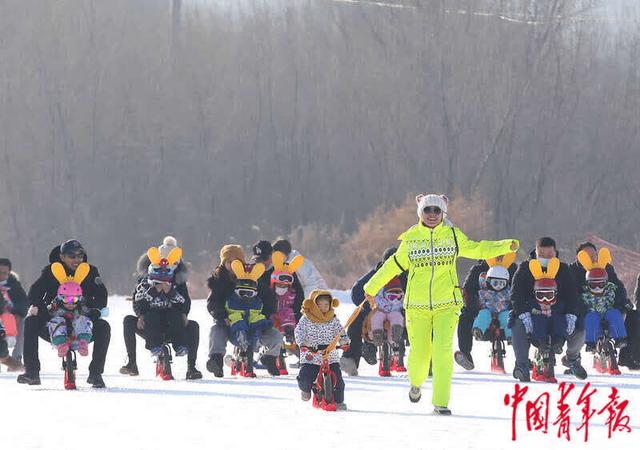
column 311, row 310
column 231, row 252
column 441, row 201
column 261, row 251
column 168, row 244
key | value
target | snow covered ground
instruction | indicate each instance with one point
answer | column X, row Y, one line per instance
column 146, row 413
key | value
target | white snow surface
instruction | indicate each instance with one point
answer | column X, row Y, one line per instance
column 147, row 413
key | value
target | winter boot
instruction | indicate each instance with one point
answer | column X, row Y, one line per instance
column 415, row 394
column 370, row 353
column 181, row 350
column 193, row 373
column 12, row 364
column 30, row 378
column 214, row 365
column 156, row 351
column 341, row 406
column 270, row 363
column 83, row 348
column 521, row 374
column 96, row 381
column 305, row 396
column 62, row 349
column 397, row 334
column 574, row 368
column 464, row 360
column 621, row 343
column 441, row 410
column 348, row 366
column 377, row 336
column 131, row 368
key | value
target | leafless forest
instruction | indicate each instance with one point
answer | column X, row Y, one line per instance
column 125, row 120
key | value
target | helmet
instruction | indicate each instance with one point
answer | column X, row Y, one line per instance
column 497, row 278
column 596, row 279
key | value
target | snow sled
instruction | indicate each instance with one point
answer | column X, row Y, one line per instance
column 324, row 388
column 163, row 363
column 605, row 358
column 69, row 363
column 241, row 362
column 495, row 335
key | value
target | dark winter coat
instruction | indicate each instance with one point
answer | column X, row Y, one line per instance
column 579, row 273
column 45, row 289
column 523, row 298
column 17, row 295
column 180, row 278
column 147, row 298
column 471, row 286
column 637, row 293
column 222, row 286
column 297, row 302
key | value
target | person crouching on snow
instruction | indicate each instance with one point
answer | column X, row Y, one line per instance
column 315, row 331
column 160, row 305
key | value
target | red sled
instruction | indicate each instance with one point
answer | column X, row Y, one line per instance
column 324, row 388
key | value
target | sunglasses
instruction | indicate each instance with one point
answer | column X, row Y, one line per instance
column 246, row 293
column 431, row 210
column 546, row 297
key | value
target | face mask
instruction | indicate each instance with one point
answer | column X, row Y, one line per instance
column 544, row 262
column 281, row 290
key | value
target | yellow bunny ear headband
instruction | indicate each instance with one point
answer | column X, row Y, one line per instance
column 283, row 271
column 504, row 260
column 604, row 258
column 57, row 269
column 239, row 270
column 172, row 258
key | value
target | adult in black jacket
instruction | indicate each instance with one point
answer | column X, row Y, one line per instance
column 630, row 355
column 222, row 284
column 16, row 298
column 470, row 290
column 134, row 325
column 44, row 291
column 523, row 301
column 350, row 360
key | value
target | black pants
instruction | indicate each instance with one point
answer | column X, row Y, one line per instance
column 34, row 328
column 465, row 324
column 309, row 372
column 130, row 329
column 161, row 325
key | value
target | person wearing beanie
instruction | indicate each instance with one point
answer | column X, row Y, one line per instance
column 308, row 275
column 350, row 360
column 133, row 325
column 315, row 331
column 429, row 251
column 222, row 284
column 474, row 287
column 44, row 291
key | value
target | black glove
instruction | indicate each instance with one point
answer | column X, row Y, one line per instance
column 94, row 314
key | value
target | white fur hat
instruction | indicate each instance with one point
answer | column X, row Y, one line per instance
column 168, row 244
column 424, row 200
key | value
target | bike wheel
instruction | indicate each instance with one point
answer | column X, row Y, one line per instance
column 327, row 387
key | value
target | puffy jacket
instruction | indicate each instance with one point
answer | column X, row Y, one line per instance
column 579, row 273
column 14, row 293
column 309, row 276
column 429, row 254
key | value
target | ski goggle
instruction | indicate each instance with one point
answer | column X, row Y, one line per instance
column 597, row 286
column 394, row 296
column 546, row 297
column 431, row 210
column 70, row 299
column 283, row 278
column 246, row 293
column 497, row 284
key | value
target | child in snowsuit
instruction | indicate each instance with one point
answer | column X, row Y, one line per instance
column 388, row 307
column 315, row 331
column 160, row 305
column 244, row 307
column 69, row 306
column 494, row 296
column 599, row 297
column 289, row 293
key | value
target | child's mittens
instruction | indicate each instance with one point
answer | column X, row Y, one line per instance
column 526, row 321
column 344, row 341
column 571, row 323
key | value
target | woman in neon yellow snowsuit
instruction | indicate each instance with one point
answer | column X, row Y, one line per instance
column 428, row 250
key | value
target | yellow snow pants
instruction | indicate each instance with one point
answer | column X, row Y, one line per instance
column 431, row 339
